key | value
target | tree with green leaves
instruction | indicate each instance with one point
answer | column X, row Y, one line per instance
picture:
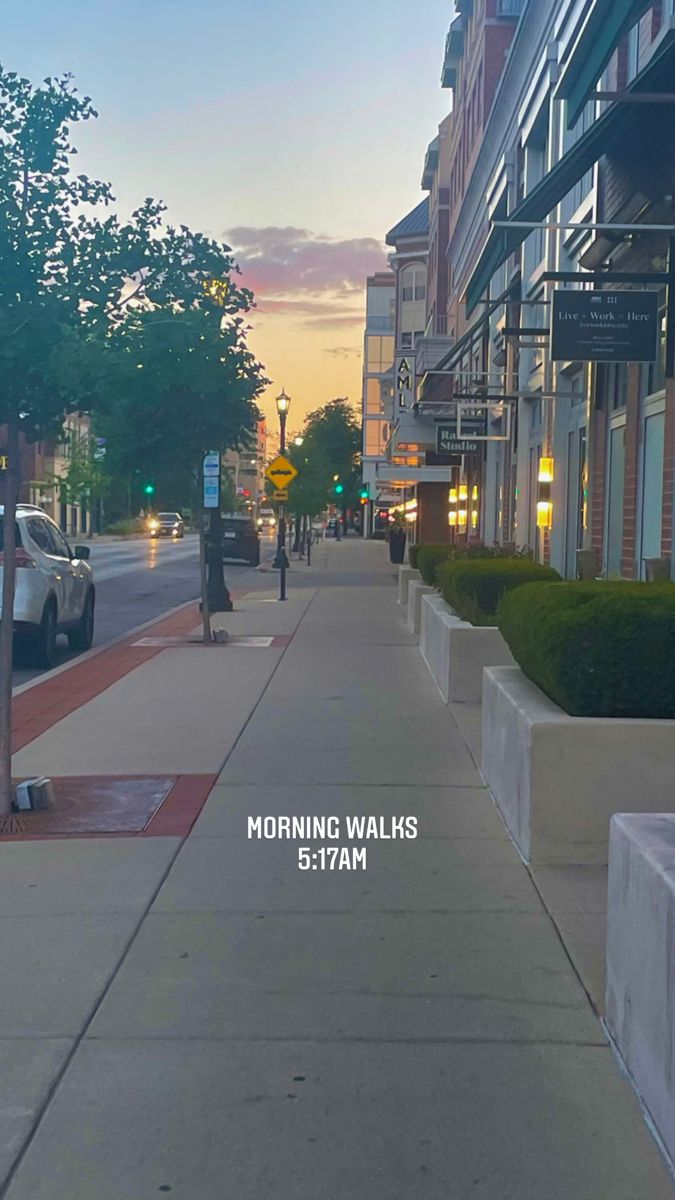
column 331, row 445
column 82, row 304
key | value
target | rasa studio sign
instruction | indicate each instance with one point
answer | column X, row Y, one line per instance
column 604, row 326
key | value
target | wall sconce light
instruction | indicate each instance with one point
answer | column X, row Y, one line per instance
column 463, row 492
column 462, row 516
column 474, row 494
column 474, row 518
column 544, row 506
column 544, row 514
column 453, row 495
column 452, row 518
column 546, row 470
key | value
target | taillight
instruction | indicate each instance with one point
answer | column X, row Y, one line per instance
column 21, row 558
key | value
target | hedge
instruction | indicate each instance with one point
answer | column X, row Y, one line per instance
column 475, row 589
column 429, row 556
column 597, row 649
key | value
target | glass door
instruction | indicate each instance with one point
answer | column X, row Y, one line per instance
column 614, row 502
column 651, row 514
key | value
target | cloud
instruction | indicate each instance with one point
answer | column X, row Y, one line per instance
column 282, row 261
column 344, row 351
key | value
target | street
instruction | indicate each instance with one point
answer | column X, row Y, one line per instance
column 137, row 580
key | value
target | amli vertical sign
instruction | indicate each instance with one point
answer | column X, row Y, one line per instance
column 618, row 326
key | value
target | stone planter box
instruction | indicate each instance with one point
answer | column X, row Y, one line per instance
column 558, row 779
column 405, row 575
column 416, row 590
column 640, row 1012
column 456, row 652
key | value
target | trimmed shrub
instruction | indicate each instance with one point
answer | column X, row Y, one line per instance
column 474, row 589
column 596, row 649
column 429, row 557
column 413, row 551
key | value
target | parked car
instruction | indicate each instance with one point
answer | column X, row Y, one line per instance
column 241, row 538
column 166, row 525
column 54, row 587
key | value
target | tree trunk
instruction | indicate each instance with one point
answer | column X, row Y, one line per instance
column 12, row 477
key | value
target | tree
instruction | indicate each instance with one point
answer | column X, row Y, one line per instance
column 78, row 297
column 85, row 476
column 331, row 446
column 40, row 313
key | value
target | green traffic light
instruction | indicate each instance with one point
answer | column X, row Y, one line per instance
column 364, row 493
column 339, row 489
column 149, row 489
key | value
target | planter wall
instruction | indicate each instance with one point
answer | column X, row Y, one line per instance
column 416, row 589
column 405, row 575
column 559, row 779
column 456, row 652
column 641, row 959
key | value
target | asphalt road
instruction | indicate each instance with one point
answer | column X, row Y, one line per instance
column 139, row 580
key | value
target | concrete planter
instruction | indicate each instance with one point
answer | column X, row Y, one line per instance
column 405, row 575
column 416, row 589
column 457, row 652
column 559, row 779
column 641, row 959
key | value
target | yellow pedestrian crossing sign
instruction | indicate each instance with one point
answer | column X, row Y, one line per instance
column 281, row 472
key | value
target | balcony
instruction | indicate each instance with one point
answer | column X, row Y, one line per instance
column 509, row 8
column 431, row 348
column 454, row 49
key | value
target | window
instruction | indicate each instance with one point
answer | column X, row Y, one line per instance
column 39, row 532
column 420, row 291
column 585, row 184
column 406, row 339
column 58, row 542
column 413, row 284
column 617, row 385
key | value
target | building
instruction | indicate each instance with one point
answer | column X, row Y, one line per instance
column 577, row 159
column 247, row 470
column 378, row 376
column 43, row 464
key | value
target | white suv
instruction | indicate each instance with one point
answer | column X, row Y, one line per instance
column 54, row 586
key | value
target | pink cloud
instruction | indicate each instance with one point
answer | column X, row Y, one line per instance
column 280, row 261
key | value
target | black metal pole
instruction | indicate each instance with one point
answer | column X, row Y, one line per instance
column 219, row 599
column 281, row 551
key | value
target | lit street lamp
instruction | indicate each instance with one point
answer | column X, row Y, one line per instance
column 281, row 561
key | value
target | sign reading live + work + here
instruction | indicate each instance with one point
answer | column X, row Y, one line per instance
column 619, row 326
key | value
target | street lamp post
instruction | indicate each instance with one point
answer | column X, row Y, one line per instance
column 281, row 561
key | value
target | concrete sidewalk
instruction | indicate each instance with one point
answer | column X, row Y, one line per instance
column 198, row 1017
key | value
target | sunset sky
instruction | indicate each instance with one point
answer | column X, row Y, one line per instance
column 293, row 130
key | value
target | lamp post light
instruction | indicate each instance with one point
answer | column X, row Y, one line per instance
column 281, row 561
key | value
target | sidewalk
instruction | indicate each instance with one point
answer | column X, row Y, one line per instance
column 187, row 1013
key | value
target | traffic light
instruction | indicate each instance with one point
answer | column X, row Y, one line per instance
column 339, row 489
column 364, row 493
column 149, row 489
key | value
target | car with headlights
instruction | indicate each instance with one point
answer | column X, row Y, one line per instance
column 166, row 524
column 267, row 520
column 241, row 538
column 55, row 590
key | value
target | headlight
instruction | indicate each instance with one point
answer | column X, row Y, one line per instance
column 153, row 525
column 260, row 521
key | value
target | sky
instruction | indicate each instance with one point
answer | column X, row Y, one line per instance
column 293, row 130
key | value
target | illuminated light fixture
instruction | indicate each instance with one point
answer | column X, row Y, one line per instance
column 544, row 506
column 452, row 518
column 474, row 518
column 462, row 516
column 544, row 514
column 546, row 470
column 453, row 495
column 474, row 494
column 463, row 492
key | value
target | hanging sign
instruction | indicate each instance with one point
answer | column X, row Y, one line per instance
column 604, row 326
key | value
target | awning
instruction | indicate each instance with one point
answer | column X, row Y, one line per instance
column 598, row 140
column 542, row 199
column 596, row 42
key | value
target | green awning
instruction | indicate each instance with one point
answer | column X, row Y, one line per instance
column 606, row 24
column 542, row 199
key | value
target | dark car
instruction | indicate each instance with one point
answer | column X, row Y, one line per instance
column 166, row 525
column 241, row 538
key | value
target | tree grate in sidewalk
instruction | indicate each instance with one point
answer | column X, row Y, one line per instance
column 260, row 643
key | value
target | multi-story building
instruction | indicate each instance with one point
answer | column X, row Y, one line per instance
column 43, row 464
column 378, row 376
column 247, row 470
column 572, row 189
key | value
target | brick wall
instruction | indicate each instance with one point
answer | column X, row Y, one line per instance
column 597, row 481
column 668, row 474
column 631, row 443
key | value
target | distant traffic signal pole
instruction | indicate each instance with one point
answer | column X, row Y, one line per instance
column 339, row 490
column 281, row 561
